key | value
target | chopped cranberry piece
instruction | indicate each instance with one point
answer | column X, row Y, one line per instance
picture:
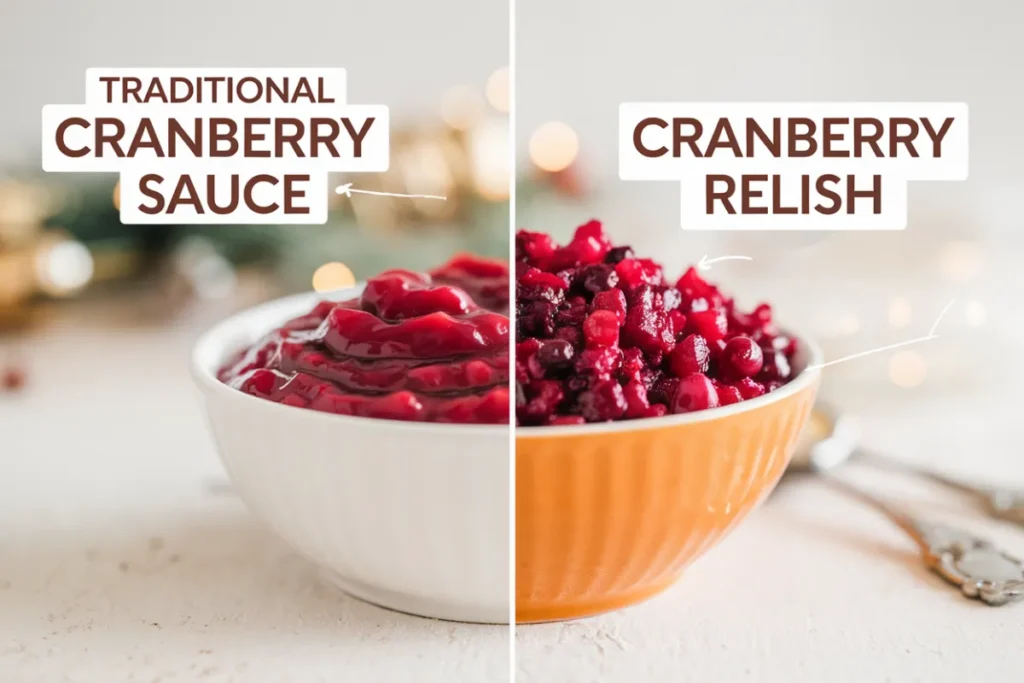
column 601, row 328
column 536, row 247
column 749, row 389
column 690, row 356
column 646, row 326
column 617, row 254
column 573, row 335
column 612, row 300
column 633, row 365
column 710, row 324
column 603, row 402
column 567, row 420
column 572, row 312
column 663, row 389
column 678, row 322
column 601, row 362
column 634, row 345
column 671, row 298
column 636, row 399
column 728, row 395
column 547, row 394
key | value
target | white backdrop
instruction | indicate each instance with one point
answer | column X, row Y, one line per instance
column 578, row 59
column 398, row 52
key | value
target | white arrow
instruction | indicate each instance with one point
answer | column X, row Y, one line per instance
column 347, row 190
column 931, row 335
column 705, row 262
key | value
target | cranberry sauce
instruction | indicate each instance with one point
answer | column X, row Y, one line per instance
column 412, row 346
column 602, row 335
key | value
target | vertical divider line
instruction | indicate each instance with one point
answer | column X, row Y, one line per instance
column 512, row 102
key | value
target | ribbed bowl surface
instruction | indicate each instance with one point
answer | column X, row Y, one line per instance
column 608, row 517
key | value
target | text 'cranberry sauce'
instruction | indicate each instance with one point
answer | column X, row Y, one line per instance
column 601, row 335
column 412, row 346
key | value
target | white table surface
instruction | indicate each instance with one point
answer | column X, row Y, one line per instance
column 121, row 560
column 122, row 557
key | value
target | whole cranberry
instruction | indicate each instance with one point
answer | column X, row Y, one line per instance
column 776, row 367
column 741, row 357
column 555, row 353
column 690, row 356
column 618, row 254
column 599, row 278
column 695, row 392
column 601, row 329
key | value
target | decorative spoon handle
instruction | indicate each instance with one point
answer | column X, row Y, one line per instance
column 981, row 570
column 1002, row 503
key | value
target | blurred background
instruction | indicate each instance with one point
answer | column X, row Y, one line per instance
column 855, row 291
column 441, row 68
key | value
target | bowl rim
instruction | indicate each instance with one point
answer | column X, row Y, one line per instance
column 213, row 347
column 809, row 354
column 211, row 350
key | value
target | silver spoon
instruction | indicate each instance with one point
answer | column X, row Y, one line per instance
column 980, row 569
column 999, row 502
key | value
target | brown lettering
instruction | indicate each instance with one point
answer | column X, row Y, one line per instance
column 62, row 130
column 712, row 194
column 638, row 141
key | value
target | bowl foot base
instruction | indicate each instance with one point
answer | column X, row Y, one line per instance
column 538, row 613
column 415, row 605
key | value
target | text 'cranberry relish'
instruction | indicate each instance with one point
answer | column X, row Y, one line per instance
column 412, row 346
column 602, row 335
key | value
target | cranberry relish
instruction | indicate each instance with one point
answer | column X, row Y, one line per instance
column 408, row 348
column 601, row 335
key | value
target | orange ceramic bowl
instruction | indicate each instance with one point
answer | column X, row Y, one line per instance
column 609, row 515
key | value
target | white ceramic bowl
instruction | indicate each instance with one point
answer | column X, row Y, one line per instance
column 410, row 516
